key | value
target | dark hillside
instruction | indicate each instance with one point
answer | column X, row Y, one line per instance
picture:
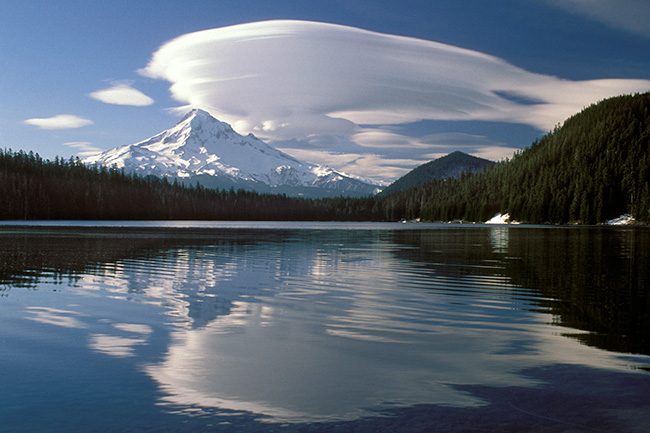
column 452, row 165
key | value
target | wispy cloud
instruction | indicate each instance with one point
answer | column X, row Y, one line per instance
column 122, row 94
column 379, row 138
column 374, row 166
column 83, row 148
column 477, row 145
column 494, row 153
column 61, row 121
column 632, row 16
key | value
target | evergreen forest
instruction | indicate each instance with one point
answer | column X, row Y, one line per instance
column 594, row 167
column 34, row 188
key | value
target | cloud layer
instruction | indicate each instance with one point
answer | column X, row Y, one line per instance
column 299, row 80
column 83, row 148
column 61, row 121
column 122, row 94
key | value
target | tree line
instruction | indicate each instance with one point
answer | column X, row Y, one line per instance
column 34, row 188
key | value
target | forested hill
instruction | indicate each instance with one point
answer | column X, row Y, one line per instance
column 595, row 167
column 452, row 165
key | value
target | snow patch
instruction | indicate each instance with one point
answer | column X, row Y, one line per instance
column 500, row 218
column 623, row 220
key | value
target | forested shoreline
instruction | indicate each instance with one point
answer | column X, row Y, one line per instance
column 34, row 188
column 595, row 167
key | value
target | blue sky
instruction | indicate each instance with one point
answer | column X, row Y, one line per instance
column 374, row 88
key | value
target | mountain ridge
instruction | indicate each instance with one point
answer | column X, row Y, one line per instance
column 451, row 165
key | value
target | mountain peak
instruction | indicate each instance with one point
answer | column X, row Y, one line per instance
column 451, row 165
column 204, row 149
column 197, row 112
column 197, row 117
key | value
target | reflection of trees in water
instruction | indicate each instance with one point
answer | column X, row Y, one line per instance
column 59, row 256
column 170, row 266
column 29, row 258
column 452, row 252
column 202, row 273
column 600, row 277
column 592, row 279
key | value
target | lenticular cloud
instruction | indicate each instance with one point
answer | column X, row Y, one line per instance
column 60, row 121
column 296, row 79
column 122, row 94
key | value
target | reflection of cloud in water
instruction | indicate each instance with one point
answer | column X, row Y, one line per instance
column 286, row 366
column 133, row 327
column 334, row 329
column 313, row 334
column 120, row 347
column 53, row 316
column 289, row 370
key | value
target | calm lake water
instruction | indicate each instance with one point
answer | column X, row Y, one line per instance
column 311, row 327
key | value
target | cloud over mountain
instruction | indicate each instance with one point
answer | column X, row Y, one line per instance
column 293, row 79
column 337, row 90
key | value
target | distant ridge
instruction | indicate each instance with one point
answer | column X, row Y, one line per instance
column 448, row 166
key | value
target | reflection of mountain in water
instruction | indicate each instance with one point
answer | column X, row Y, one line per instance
column 592, row 279
column 202, row 273
column 214, row 276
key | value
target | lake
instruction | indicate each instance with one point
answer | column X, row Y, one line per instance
column 323, row 327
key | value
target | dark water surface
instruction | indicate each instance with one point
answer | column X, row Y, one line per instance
column 237, row 327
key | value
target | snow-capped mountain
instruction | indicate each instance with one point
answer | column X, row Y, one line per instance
column 204, row 149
